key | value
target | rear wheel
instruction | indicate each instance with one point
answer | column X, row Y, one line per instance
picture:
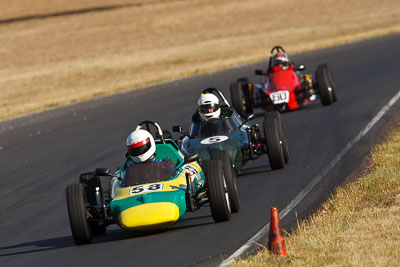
column 243, row 80
column 276, row 115
column 217, row 191
column 247, row 94
column 78, row 212
column 273, row 143
column 324, row 87
column 238, row 99
column 230, row 177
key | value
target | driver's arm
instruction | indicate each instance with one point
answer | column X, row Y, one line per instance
column 170, row 162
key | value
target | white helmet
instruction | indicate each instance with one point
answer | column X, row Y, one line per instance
column 208, row 106
column 141, row 146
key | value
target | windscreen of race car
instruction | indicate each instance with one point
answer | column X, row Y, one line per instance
column 213, row 127
column 148, row 172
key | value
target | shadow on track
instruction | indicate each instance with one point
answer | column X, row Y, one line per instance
column 62, row 242
column 308, row 106
column 110, row 236
column 193, row 222
column 37, row 246
column 253, row 170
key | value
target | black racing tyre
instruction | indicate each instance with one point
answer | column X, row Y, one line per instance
column 77, row 212
column 273, row 143
column 243, row 80
column 324, row 88
column 276, row 115
column 230, row 177
column 247, row 94
column 217, row 191
column 331, row 80
column 238, row 99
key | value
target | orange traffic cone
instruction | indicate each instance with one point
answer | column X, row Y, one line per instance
column 276, row 244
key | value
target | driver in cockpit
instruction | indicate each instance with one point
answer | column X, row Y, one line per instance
column 209, row 110
column 141, row 148
column 208, row 106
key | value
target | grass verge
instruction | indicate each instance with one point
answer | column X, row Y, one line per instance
column 358, row 226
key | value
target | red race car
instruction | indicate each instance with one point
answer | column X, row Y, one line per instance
column 284, row 87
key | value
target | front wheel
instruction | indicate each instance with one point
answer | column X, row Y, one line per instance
column 273, row 143
column 217, row 191
column 230, row 177
column 77, row 212
column 325, row 89
column 276, row 115
column 331, row 80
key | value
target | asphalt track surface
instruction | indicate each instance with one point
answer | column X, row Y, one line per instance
column 41, row 153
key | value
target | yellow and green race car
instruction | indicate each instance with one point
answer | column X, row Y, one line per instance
column 148, row 196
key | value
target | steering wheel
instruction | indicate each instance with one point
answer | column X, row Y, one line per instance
column 275, row 49
column 278, row 48
column 147, row 125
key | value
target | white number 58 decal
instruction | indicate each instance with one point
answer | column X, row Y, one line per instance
column 145, row 188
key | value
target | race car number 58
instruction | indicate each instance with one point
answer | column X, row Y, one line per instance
column 145, row 188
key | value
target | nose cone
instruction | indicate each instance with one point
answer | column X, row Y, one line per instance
column 149, row 217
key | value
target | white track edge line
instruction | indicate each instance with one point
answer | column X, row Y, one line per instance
column 314, row 181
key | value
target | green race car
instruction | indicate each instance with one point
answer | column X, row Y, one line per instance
column 233, row 139
column 148, row 196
